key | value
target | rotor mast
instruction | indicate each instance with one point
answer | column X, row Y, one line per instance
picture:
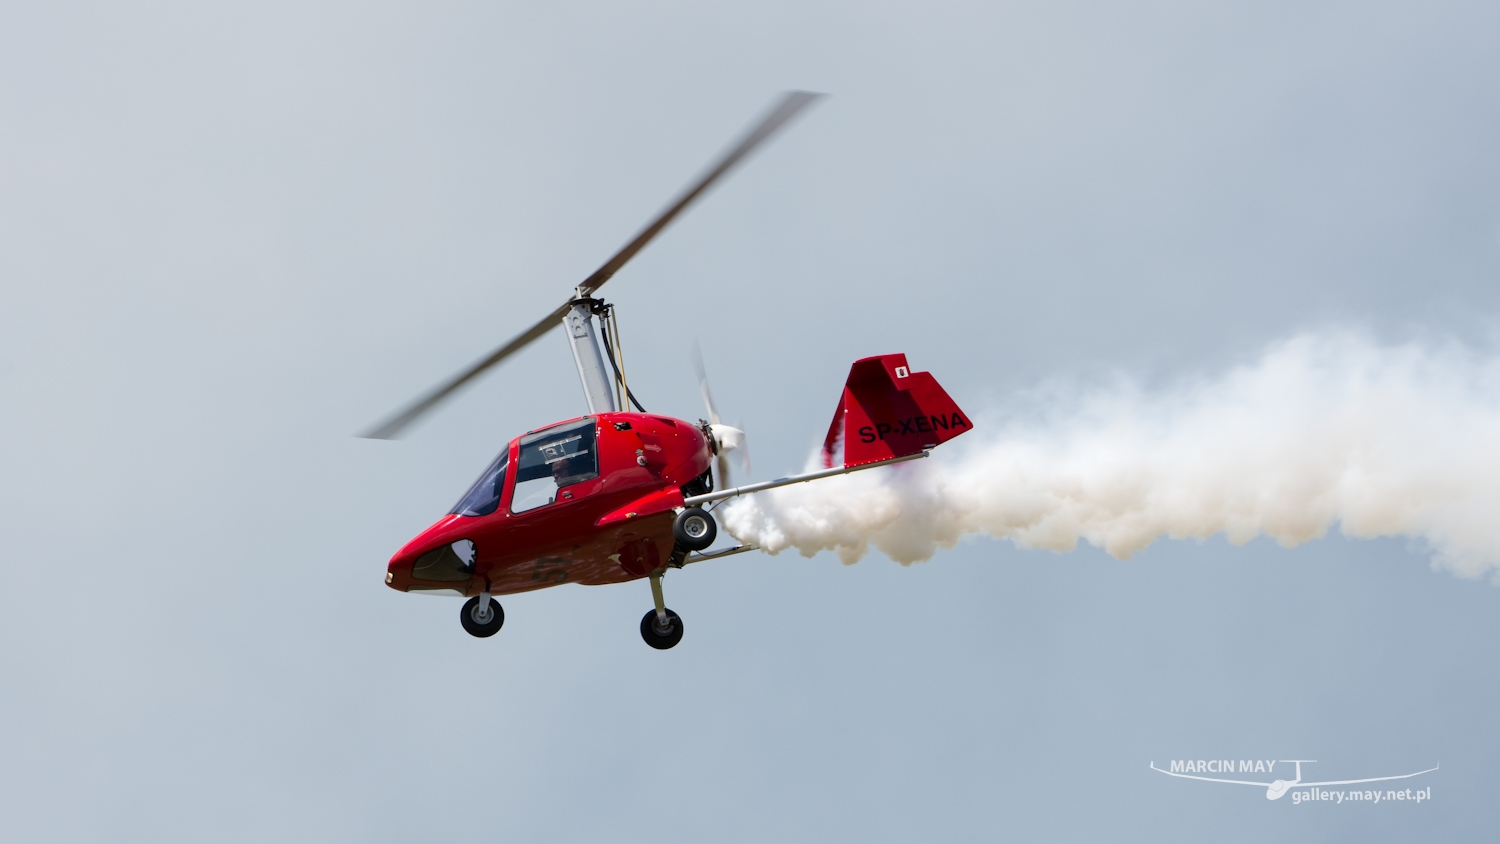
column 587, row 354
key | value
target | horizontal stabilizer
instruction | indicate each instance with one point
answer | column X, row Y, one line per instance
column 889, row 411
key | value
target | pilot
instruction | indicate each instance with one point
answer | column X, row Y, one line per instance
column 563, row 474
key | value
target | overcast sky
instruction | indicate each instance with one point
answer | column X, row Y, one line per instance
column 233, row 235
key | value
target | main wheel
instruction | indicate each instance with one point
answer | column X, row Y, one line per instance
column 483, row 624
column 658, row 637
column 695, row 529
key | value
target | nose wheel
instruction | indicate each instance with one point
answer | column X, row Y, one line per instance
column 660, row 627
column 482, row 616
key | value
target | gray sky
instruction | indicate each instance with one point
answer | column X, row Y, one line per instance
column 232, row 236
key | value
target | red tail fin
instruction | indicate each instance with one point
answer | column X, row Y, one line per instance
column 889, row 411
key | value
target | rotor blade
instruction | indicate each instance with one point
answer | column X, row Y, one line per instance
column 791, row 103
column 393, row 426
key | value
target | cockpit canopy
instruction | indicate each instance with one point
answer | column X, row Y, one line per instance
column 549, row 460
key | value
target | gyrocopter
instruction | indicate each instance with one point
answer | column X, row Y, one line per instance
column 620, row 494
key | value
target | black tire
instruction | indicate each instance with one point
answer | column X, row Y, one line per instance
column 695, row 529
column 481, row 628
column 661, row 639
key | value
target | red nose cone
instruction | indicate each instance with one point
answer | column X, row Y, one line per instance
column 449, row 528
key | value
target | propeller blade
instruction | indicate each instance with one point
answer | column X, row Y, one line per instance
column 790, row 104
column 744, row 450
column 721, row 472
column 721, row 460
column 726, row 437
column 393, row 426
column 708, row 398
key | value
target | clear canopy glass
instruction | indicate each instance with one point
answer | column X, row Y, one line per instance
column 551, row 459
column 484, row 496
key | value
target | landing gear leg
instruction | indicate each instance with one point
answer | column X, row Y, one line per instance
column 661, row 628
column 661, row 603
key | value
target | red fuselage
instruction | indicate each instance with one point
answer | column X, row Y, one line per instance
column 597, row 512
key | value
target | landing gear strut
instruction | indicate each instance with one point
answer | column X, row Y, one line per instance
column 482, row 616
column 661, row 628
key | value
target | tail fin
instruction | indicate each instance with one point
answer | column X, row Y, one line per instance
column 889, row 411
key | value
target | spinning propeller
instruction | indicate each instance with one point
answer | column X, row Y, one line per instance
column 726, row 437
column 789, row 105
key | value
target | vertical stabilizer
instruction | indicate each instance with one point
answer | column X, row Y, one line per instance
column 889, row 411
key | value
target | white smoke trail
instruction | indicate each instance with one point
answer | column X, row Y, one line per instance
column 1329, row 428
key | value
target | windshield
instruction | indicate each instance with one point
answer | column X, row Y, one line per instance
column 484, row 496
column 552, row 459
